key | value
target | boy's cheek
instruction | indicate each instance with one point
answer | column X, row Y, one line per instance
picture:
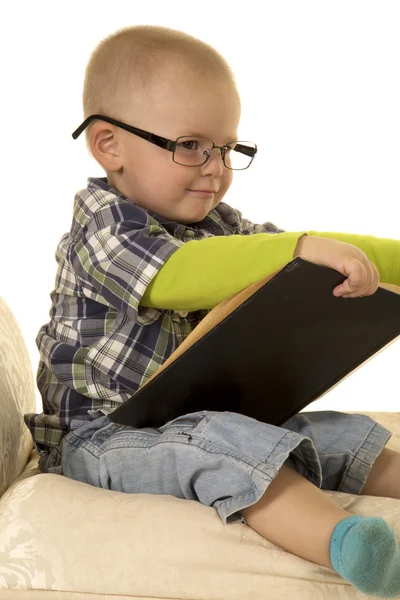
column 227, row 184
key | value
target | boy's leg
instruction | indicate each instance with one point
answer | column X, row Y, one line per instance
column 296, row 515
column 384, row 477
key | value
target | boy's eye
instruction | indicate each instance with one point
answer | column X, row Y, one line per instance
column 189, row 145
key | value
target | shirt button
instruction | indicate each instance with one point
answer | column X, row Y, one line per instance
column 183, row 313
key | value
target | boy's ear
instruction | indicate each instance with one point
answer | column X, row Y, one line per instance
column 105, row 147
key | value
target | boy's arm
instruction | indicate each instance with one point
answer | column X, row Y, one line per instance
column 384, row 253
column 116, row 255
column 202, row 273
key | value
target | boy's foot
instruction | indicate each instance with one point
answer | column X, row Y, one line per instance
column 364, row 550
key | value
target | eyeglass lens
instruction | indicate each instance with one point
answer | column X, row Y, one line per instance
column 193, row 151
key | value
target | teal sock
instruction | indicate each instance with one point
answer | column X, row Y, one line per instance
column 364, row 550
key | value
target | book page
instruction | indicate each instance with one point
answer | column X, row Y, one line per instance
column 391, row 287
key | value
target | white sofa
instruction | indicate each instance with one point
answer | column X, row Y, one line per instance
column 66, row 540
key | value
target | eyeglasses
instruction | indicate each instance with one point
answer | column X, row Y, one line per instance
column 188, row 150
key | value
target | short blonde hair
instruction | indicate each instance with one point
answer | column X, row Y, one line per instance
column 126, row 65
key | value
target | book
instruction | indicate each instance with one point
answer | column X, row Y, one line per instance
column 270, row 350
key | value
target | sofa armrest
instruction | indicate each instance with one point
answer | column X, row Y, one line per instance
column 17, row 396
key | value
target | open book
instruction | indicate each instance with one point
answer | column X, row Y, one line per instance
column 269, row 350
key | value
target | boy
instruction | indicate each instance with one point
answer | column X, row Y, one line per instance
column 152, row 248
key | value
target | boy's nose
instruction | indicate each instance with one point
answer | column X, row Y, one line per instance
column 215, row 162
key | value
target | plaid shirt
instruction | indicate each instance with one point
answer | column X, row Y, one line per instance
column 100, row 345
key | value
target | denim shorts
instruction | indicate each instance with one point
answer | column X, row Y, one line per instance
column 221, row 459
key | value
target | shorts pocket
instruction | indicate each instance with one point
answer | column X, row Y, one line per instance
column 189, row 421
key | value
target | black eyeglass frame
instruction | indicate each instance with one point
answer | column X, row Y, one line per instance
column 165, row 143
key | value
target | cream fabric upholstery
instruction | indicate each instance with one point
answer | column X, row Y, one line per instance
column 65, row 540
column 17, row 396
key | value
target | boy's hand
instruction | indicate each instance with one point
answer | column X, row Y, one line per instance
column 362, row 275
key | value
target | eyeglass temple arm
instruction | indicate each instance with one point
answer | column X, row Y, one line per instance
column 151, row 137
column 245, row 149
column 83, row 126
column 87, row 121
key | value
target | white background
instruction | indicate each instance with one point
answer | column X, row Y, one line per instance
column 320, row 92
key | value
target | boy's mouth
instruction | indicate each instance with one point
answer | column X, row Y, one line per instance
column 201, row 194
column 205, row 192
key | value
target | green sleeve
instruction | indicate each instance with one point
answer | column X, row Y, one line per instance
column 202, row 273
column 384, row 253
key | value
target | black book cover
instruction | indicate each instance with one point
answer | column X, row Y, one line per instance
column 269, row 350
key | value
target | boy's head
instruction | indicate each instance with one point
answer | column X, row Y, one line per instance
column 170, row 84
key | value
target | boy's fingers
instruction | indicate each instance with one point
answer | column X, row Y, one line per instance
column 357, row 277
column 376, row 278
column 373, row 278
column 362, row 281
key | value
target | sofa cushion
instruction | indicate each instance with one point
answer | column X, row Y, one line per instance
column 61, row 534
column 17, row 396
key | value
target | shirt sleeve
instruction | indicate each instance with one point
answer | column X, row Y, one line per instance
column 120, row 251
column 205, row 272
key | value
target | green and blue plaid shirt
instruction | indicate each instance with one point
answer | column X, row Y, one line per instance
column 100, row 344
